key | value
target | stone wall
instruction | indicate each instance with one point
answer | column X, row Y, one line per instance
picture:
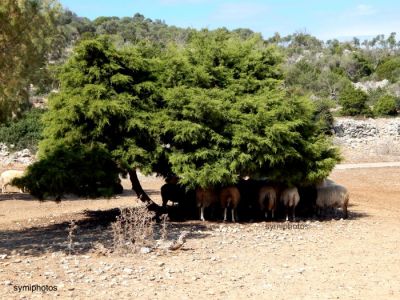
column 368, row 139
column 9, row 158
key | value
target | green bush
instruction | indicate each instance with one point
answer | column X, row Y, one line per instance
column 78, row 170
column 354, row 102
column 24, row 132
column 323, row 115
column 385, row 106
column 390, row 69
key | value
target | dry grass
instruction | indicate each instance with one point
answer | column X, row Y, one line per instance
column 132, row 230
column 71, row 234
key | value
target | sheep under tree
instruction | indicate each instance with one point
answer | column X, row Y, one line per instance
column 290, row 198
column 267, row 200
column 230, row 197
column 332, row 196
column 205, row 197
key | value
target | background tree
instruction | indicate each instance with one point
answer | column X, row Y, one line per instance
column 354, row 102
column 385, row 106
column 26, row 35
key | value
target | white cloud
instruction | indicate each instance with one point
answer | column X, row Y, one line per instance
column 364, row 10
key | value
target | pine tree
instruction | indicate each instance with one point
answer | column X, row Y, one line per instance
column 228, row 116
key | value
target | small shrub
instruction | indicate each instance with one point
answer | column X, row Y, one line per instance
column 354, row 102
column 385, row 106
column 24, row 132
column 133, row 229
column 323, row 115
column 390, row 69
column 71, row 234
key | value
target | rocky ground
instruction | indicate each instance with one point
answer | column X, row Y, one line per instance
column 330, row 258
column 318, row 259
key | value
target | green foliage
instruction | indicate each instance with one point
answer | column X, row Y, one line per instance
column 83, row 171
column 25, row 132
column 27, row 29
column 323, row 115
column 107, row 97
column 354, row 102
column 210, row 112
column 227, row 116
column 386, row 105
column 390, row 69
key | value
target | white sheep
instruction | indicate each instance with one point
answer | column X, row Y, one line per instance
column 7, row 176
column 267, row 200
column 290, row 198
column 205, row 198
column 230, row 197
column 325, row 182
column 333, row 196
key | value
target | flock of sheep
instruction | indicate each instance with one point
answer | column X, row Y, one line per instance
column 263, row 198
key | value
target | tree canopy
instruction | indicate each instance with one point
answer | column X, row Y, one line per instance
column 210, row 112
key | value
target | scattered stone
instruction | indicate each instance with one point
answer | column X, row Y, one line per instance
column 145, row 250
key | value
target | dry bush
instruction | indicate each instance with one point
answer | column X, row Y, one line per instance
column 133, row 230
column 71, row 234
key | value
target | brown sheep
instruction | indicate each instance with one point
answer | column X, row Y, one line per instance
column 205, row 198
column 290, row 198
column 267, row 200
column 230, row 197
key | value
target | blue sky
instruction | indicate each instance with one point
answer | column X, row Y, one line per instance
column 324, row 19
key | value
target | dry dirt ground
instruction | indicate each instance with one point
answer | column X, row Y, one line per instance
column 358, row 258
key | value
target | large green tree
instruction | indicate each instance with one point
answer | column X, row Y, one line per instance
column 227, row 115
column 210, row 112
column 107, row 101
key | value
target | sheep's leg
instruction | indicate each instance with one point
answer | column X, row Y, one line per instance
column 202, row 213
column 233, row 214
column 273, row 213
column 345, row 214
column 287, row 214
column 266, row 215
column 225, row 214
column 294, row 215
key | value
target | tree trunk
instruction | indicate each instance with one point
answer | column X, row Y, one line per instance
column 141, row 194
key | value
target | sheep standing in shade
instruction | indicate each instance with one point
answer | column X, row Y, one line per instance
column 230, row 197
column 205, row 198
column 267, row 200
column 333, row 196
column 290, row 198
column 6, row 177
column 172, row 192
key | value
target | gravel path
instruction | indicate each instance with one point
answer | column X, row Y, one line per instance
column 368, row 165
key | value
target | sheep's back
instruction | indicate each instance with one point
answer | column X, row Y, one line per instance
column 290, row 197
column 331, row 196
column 206, row 197
column 230, row 196
column 267, row 192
